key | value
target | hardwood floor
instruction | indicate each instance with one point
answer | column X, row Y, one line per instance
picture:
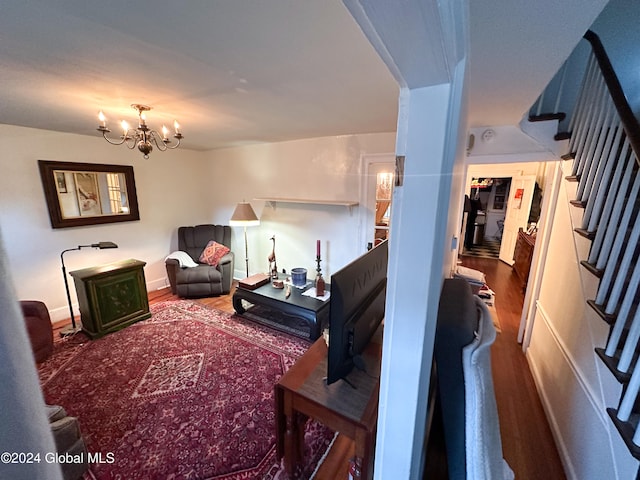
column 527, row 442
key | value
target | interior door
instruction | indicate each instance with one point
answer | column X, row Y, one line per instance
column 379, row 194
column 517, row 215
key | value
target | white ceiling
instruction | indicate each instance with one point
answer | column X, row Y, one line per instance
column 236, row 72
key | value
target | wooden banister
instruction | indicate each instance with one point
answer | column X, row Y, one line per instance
column 629, row 120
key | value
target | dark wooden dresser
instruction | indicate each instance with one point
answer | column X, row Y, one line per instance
column 111, row 296
column 522, row 256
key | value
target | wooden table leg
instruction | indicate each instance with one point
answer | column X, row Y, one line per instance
column 281, row 421
column 294, row 442
column 364, row 446
column 290, row 436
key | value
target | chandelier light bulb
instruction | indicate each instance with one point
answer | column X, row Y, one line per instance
column 165, row 132
column 102, row 118
column 125, row 126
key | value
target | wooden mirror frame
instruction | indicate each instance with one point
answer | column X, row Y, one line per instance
column 51, row 192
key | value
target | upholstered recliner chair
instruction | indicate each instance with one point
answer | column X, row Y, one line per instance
column 207, row 268
column 38, row 322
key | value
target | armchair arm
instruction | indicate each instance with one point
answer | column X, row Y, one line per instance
column 34, row 308
column 226, row 267
column 228, row 258
column 172, row 265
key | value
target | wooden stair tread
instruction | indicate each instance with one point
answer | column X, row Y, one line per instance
column 585, row 233
column 598, row 272
column 608, row 318
column 543, row 117
column 611, row 362
column 626, row 431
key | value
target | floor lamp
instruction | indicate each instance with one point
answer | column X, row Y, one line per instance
column 244, row 216
column 101, row 245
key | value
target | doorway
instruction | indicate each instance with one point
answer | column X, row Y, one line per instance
column 486, row 206
column 506, row 193
column 537, row 226
column 378, row 197
column 384, row 189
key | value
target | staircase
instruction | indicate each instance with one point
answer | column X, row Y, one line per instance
column 603, row 151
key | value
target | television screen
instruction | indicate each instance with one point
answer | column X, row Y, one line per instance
column 356, row 309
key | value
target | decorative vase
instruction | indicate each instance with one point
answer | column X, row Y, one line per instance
column 319, row 285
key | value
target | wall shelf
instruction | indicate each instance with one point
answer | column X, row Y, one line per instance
column 341, row 203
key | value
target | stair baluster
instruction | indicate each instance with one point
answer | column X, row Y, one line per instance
column 578, row 124
column 621, row 233
column 594, row 182
column 585, row 127
column 612, row 244
column 595, row 203
column 594, row 142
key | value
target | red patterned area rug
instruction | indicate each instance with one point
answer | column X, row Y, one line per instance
column 186, row 394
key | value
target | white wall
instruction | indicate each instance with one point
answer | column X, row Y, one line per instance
column 171, row 191
column 328, row 168
column 177, row 188
column 574, row 385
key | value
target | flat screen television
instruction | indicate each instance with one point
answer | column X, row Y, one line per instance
column 356, row 309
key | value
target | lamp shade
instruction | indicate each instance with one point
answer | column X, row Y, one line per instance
column 103, row 245
column 244, row 216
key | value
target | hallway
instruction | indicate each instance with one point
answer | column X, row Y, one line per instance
column 527, row 441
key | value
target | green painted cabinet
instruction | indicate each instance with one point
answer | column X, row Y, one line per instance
column 111, row 296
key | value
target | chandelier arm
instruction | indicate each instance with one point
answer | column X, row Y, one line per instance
column 128, row 139
column 173, row 147
column 114, row 142
column 154, row 135
column 131, row 139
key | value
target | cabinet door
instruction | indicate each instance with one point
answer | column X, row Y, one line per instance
column 119, row 298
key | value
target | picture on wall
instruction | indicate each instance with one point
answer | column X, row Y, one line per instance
column 87, row 189
column 61, row 182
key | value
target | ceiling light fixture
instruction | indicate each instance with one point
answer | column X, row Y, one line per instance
column 141, row 137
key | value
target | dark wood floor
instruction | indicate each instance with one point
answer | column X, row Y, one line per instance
column 527, row 441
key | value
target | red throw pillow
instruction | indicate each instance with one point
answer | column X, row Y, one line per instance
column 213, row 252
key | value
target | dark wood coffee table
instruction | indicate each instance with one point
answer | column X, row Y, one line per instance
column 298, row 314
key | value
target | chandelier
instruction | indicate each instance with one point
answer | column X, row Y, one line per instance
column 141, row 137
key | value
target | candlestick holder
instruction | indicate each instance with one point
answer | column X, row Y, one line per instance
column 320, row 283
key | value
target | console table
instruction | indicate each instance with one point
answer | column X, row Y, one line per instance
column 298, row 314
column 111, row 296
column 302, row 392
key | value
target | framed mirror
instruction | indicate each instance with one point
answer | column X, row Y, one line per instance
column 81, row 194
